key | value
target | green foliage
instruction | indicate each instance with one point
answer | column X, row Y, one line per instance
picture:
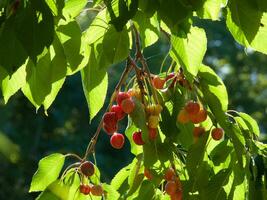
column 47, row 172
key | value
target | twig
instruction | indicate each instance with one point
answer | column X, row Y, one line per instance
column 139, row 56
column 91, row 146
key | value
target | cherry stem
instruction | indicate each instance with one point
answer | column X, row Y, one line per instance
column 91, row 146
column 74, row 156
column 139, row 56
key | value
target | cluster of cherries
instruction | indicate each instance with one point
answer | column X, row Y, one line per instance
column 193, row 112
column 87, row 169
column 125, row 105
column 173, row 186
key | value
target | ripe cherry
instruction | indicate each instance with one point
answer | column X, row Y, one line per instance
column 157, row 82
column 153, row 121
column 148, row 174
column 97, row 190
column 170, row 76
column 177, row 195
column 170, row 187
column 117, row 140
column 87, row 168
column 217, row 133
column 169, row 174
column 85, row 189
column 110, row 119
column 152, row 133
column 110, row 129
column 192, row 107
column 183, row 117
column 122, row 96
column 119, row 112
column 137, row 138
column 128, row 105
column 198, row 131
column 199, row 117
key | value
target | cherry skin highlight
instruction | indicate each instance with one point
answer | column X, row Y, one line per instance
column 117, row 140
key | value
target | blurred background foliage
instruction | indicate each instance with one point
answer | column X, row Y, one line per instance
column 27, row 136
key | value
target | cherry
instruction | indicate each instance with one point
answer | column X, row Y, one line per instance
column 85, row 189
column 117, row 140
column 97, row 190
column 119, row 112
column 110, row 119
column 154, row 109
column 110, row 129
column 178, row 183
column 199, row 117
column 170, row 76
column 170, row 187
column 192, row 107
column 152, row 133
column 135, row 93
column 183, row 117
column 177, row 195
column 122, row 96
column 128, row 105
column 198, row 131
column 153, row 121
column 217, row 133
column 157, row 82
column 148, row 174
column 87, row 168
column 137, row 138
column 169, row 174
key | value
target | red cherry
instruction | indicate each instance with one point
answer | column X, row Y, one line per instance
column 137, row 138
column 157, row 82
column 110, row 129
column 118, row 110
column 110, row 119
column 122, row 96
column 198, row 131
column 152, row 133
column 177, row 196
column 117, row 140
column 169, row 174
column 217, row 133
column 97, row 190
column 192, row 107
column 128, row 105
column 148, row 174
column 85, row 189
column 170, row 187
column 183, row 117
column 87, row 168
column 170, row 76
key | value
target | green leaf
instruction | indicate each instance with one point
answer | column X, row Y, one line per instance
column 45, row 79
column 250, row 122
column 248, row 24
column 115, row 45
column 147, row 28
column 214, row 190
column 95, row 84
column 111, row 192
column 211, row 9
column 47, row 172
column 73, row 8
column 121, row 176
column 189, row 51
column 75, row 50
column 11, row 84
column 131, row 128
column 213, row 89
column 97, row 28
column 146, row 191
